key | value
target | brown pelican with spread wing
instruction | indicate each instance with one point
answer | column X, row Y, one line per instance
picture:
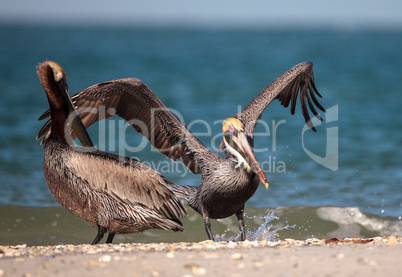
column 114, row 194
column 226, row 183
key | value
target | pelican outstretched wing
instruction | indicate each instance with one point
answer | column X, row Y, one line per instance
column 132, row 100
column 297, row 80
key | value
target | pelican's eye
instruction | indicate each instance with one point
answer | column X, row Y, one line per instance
column 232, row 129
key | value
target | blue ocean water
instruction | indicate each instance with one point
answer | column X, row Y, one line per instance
column 208, row 75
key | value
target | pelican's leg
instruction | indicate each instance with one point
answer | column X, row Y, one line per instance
column 207, row 225
column 239, row 216
column 110, row 238
column 99, row 236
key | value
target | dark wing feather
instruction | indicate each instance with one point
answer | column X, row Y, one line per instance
column 44, row 115
column 45, row 128
column 127, row 180
column 297, row 80
column 132, row 100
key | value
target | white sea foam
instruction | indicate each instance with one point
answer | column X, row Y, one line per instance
column 352, row 222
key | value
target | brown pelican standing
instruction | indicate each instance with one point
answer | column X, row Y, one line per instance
column 226, row 183
column 114, row 194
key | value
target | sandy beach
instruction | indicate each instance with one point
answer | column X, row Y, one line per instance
column 379, row 256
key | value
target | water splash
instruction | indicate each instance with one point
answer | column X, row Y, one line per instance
column 264, row 232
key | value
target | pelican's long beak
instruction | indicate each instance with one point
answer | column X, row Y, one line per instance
column 248, row 155
column 73, row 119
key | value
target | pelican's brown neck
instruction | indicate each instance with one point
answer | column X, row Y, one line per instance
column 62, row 111
column 57, row 101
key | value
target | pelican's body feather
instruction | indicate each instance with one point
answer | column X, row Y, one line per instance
column 122, row 195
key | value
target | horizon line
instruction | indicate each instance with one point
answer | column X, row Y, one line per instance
column 297, row 24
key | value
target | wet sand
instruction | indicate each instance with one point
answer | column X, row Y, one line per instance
column 374, row 257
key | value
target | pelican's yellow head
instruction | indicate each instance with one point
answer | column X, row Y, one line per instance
column 58, row 71
column 231, row 124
